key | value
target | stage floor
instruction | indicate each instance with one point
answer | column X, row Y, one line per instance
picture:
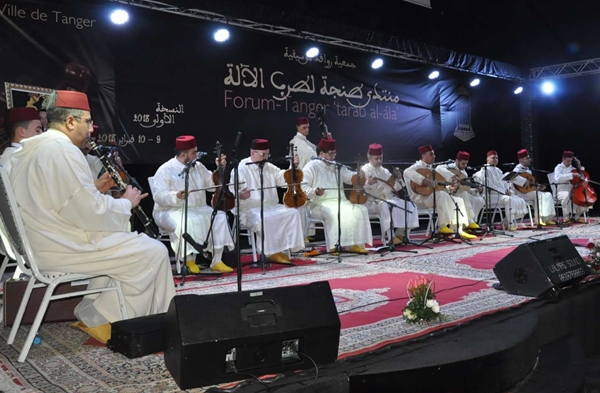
column 369, row 291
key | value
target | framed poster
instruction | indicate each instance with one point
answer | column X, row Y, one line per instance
column 23, row 95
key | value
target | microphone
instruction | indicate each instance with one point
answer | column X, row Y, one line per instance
column 257, row 162
column 201, row 154
column 192, row 242
column 236, row 144
column 509, row 164
column 443, row 162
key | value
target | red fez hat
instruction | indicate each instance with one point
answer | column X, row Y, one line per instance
column 72, row 100
column 492, row 153
column 327, row 144
column 522, row 153
column 301, row 120
column 259, row 144
column 568, row 154
column 375, row 149
column 425, row 149
column 185, row 142
column 94, row 132
column 21, row 114
column 463, row 155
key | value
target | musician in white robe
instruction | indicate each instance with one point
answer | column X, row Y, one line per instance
column 20, row 124
column 382, row 186
column 321, row 187
column 563, row 174
column 446, row 205
column 473, row 201
column 545, row 211
column 305, row 150
column 282, row 225
column 500, row 192
column 169, row 202
column 75, row 229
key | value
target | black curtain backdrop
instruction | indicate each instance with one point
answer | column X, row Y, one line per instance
column 161, row 75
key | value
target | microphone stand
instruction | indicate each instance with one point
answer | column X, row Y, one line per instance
column 338, row 244
column 263, row 259
column 405, row 239
column 434, row 237
column 489, row 228
column 457, row 233
column 391, row 206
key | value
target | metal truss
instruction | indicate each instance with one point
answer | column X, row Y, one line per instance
column 291, row 32
column 566, row 70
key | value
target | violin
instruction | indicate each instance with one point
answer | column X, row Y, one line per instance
column 222, row 199
column 294, row 196
column 583, row 194
column 357, row 195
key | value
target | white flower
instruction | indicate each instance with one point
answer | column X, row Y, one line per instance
column 430, row 303
column 435, row 309
column 407, row 313
column 412, row 316
column 598, row 254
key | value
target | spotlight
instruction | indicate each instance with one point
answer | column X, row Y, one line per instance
column 475, row 82
column 221, row 35
column 518, row 90
column 548, row 88
column 377, row 63
column 312, row 52
column 434, row 75
column 118, row 17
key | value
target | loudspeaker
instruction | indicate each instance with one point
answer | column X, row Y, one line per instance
column 213, row 338
column 533, row 268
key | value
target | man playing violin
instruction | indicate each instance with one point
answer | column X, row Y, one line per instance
column 473, row 202
column 321, row 187
column 382, row 184
column 445, row 204
column 563, row 174
column 545, row 211
column 305, row 148
column 169, row 195
column 282, row 225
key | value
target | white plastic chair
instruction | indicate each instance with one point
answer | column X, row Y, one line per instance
column 557, row 203
column 17, row 236
column 427, row 213
column 165, row 234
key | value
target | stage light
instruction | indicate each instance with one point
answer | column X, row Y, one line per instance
column 118, row 17
column 377, row 63
column 312, row 52
column 221, row 35
column 434, row 75
column 475, row 82
column 518, row 90
column 548, row 88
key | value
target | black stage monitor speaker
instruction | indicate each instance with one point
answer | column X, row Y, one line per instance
column 212, row 338
column 533, row 268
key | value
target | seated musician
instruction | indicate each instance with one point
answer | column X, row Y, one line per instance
column 473, row 201
column 445, row 204
column 169, row 196
column 73, row 228
column 282, row 225
column 545, row 211
column 382, row 184
column 20, row 124
column 498, row 191
column 563, row 174
column 321, row 187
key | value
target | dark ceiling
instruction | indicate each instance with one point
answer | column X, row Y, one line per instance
column 526, row 33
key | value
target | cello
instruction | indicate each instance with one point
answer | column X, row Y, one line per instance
column 294, row 196
column 220, row 178
column 582, row 194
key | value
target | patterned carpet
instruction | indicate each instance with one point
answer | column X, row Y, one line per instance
column 370, row 292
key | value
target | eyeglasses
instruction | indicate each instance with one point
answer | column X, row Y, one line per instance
column 331, row 153
column 89, row 122
column 263, row 155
